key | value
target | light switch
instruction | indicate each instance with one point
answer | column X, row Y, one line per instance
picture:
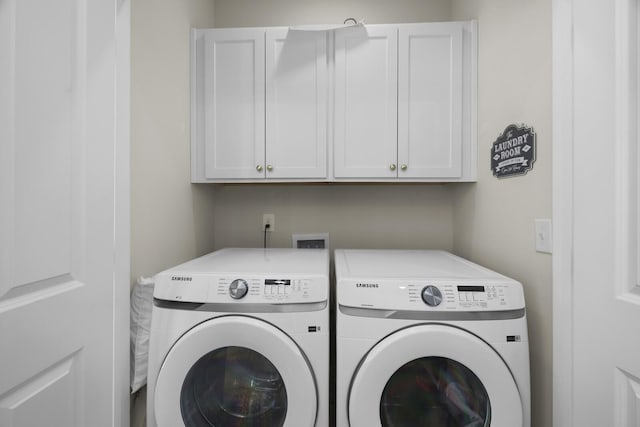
column 544, row 238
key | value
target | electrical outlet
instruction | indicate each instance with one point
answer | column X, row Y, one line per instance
column 269, row 219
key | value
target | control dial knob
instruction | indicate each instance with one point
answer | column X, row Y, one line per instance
column 238, row 288
column 431, row 296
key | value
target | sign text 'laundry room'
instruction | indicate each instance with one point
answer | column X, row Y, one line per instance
column 514, row 152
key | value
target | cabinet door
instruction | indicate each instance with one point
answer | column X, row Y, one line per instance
column 430, row 100
column 296, row 103
column 366, row 102
column 234, row 131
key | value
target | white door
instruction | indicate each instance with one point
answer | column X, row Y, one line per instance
column 64, row 245
column 236, row 370
column 296, row 103
column 366, row 102
column 596, row 214
column 234, row 133
column 430, row 89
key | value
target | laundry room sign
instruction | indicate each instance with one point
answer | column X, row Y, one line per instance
column 514, row 152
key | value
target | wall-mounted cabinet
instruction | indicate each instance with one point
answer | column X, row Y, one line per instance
column 366, row 102
column 430, row 84
column 362, row 103
column 297, row 90
column 230, row 104
column 259, row 105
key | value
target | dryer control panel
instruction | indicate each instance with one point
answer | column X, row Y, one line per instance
column 489, row 296
column 421, row 280
column 441, row 295
column 206, row 288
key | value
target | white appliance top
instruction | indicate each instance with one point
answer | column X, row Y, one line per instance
column 421, row 280
column 250, row 276
column 399, row 264
column 260, row 261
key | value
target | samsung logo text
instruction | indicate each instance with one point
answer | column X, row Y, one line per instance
column 367, row 285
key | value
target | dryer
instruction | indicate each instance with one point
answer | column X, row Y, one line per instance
column 240, row 337
column 425, row 338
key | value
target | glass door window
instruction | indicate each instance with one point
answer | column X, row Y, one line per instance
column 233, row 386
column 434, row 392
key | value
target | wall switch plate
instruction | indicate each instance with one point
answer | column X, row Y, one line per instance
column 544, row 237
column 310, row 241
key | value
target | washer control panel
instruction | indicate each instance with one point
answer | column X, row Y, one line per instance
column 272, row 290
column 432, row 295
column 203, row 288
column 467, row 296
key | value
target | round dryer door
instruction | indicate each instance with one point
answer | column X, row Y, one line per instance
column 434, row 376
column 235, row 371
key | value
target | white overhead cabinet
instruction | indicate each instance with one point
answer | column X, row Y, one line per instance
column 229, row 92
column 400, row 91
column 259, row 104
column 430, row 84
column 363, row 103
column 297, row 78
column 366, row 102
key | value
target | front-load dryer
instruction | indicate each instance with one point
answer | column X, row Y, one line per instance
column 425, row 338
column 240, row 337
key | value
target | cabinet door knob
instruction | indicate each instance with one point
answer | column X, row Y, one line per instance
column 259, row 168
column 269, row 168
column 392, row 166
column 403, row 167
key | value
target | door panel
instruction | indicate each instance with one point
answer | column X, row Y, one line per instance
column 58, row 174
column 627, row 396
column 296, row 100
column 430, row 101
column 596, row 187
column 366, row 101
column 48, row 398
column 42, row 337
column 40, row 109
column 234, row 103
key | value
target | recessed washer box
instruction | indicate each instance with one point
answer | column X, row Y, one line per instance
column 310, row 241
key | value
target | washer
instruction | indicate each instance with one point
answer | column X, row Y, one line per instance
column 240, row 337
column 425, row 338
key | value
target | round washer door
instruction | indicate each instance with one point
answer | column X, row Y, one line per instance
column 235, row 370
column 433, row 375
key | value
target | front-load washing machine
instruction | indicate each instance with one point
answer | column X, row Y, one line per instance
column 425, row 338
column 240, row 337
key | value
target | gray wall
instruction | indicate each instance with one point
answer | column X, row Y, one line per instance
column 171, row 220
column 355, row 216
column 249, row 13
column 493, row 220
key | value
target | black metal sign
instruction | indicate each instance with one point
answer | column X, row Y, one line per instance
column 514, row 152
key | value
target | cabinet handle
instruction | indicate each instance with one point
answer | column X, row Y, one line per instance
column 259, row 168
column 269, row 168
column 403, row 167
column 392, row 166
